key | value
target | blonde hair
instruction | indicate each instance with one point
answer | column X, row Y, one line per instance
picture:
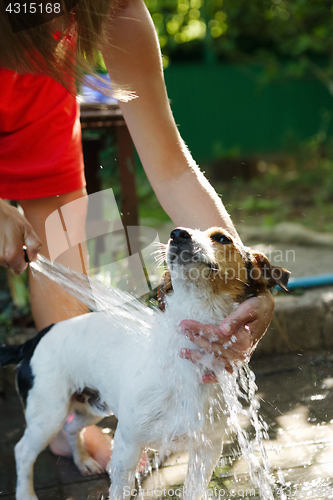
column 38, row 50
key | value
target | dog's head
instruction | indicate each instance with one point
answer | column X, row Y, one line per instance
column 212, row 262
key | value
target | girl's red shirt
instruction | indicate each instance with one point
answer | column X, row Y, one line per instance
column 40, row 138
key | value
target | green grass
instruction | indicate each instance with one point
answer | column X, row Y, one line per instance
column 297, row 188
column 293, row 189
column 289, row 190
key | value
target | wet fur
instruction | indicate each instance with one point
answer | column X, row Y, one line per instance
column 92, row 366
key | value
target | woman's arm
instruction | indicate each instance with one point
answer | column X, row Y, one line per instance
column 133, row 60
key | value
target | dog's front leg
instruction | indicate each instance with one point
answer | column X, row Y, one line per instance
column 203, row 459
column 125, row 458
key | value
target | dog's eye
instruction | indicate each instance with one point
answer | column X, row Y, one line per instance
column 221, row 238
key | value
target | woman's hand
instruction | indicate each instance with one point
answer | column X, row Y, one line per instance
column 15, row 232
column 235, row 339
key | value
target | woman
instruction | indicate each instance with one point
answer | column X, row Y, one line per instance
column 125, row 34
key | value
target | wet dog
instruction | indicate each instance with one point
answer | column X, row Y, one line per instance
column 94, row 365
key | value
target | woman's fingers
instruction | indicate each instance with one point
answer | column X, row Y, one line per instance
column 256, row 313
column 31, row 241
column 211, row 339
column 196, row 356
column 14, row 258
column 209, row 332
column 243, row 328
column 15, row 232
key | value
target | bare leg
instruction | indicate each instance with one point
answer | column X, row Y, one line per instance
column 74, row 428
column 57, row 305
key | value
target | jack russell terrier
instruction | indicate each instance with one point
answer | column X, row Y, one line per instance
column 90, row 367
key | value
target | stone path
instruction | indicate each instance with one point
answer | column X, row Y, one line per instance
column 296, row 399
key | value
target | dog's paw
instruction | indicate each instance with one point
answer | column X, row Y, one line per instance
column 88, row 466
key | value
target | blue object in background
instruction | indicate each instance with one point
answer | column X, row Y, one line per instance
column 89, row 95
column 309, row 281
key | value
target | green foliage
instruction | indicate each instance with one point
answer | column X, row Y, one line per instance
column 178, row 22
column 288, row 29
column 14, row 314
column 298, row 188
column 298, row 32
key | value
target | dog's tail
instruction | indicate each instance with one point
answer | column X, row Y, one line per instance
column 11, row 354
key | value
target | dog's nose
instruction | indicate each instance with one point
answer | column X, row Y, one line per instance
column 179, row 236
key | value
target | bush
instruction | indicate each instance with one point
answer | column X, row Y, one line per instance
column 299, row 32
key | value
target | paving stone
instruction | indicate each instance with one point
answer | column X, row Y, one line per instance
column 310, row 478
column 45, row 470
column 10, row 408
column 47, row 494
column 50, row 494
column 11, row 430
column 94, row 489
column 7, row 473
column 270, row 390
column 301, row 323
column 67, row 471
column 8, row 374
column 292, row 457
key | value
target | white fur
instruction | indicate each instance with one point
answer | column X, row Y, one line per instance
column 135, row 366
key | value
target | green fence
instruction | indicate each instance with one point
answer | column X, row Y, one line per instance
column 222, row 108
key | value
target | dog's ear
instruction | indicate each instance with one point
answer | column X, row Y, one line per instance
column 164, row 288
column 263, row 273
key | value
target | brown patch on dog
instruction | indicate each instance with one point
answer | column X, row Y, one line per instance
column 230, row 272
column 234, row 271
column 242, row 274
column 164, row 288
column 264, row 274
